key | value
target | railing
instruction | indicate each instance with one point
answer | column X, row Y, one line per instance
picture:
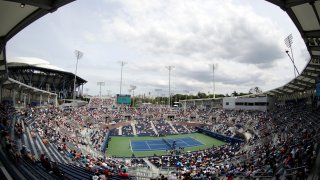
column 105, row 142
column 219, row 136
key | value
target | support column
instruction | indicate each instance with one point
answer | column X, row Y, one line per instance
column 24, row 100
column 82, row 90
column 14, row 98
column 40, row 100
column 0, row 93
column 20, row 95
column 56, row 101
column 29, row 98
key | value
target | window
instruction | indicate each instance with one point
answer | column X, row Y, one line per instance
column 239, row 103
column 227, row 103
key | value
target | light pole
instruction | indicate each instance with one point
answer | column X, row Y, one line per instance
column 213, row 66
column 122, row 63
column 109, row 92
column 288, row 41
column 78, row 55
column 132, row 88
column 100, row 84
column 295, row 69
column 169, row 68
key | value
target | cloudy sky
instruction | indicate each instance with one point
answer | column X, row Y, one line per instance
column 244, row 38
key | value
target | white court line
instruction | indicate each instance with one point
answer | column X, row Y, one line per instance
column 130, row 146
column 147, row 144
column 198, row 141
column 150, row 149
column 156, row 144
column 191, row 145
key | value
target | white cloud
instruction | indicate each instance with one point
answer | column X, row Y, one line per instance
column 152, row 34
column 205, row 29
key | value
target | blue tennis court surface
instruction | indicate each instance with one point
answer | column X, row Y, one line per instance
column 163, row 144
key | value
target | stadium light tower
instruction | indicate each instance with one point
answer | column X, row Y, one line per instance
column 101, row 84
column 288, row 41
column 122, row 63
column 214, row 67
column 132, row 88
column 169, row 68
column 78, row 55
column 109, row 92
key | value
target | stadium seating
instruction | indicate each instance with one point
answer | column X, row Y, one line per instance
column 282, row 143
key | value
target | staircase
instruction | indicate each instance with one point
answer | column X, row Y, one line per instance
column 134, row 128
column 154, row 128
column 187, row 128
column 315, row 173
column 152, row 167
column 174, row 129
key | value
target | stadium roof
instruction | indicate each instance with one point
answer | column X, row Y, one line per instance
column 34, row 62
column 41, row 74
column 16, row 15
column 305, row 15
column 13, row 84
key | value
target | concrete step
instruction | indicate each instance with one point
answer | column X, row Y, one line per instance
column 154, row 128
column 187, row 129
column 31, row 143
column 174, row 129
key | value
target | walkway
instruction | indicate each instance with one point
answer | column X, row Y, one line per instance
column 154, row 128
column 174, row 129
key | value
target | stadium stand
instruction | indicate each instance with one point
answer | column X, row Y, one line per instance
column 283, row 143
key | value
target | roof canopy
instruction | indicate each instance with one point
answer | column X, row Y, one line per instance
column 35, row 62
column 305, row 15
column 16, row 15
column 13, row 84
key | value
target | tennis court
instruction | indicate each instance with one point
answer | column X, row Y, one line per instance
column 163, row 144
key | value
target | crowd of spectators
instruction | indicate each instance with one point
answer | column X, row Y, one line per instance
column 97, row 138
column 283, row 141
column 163, row 127
column 144, row 128
column 63, row 129
column 127, row 130
column 206, row 162
column 285, row 146
column 95, row 102
column 181, row 129
column 114, row 132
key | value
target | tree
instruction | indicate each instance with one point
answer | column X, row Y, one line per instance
column 255, row 90
column 201, row 95
column 234, row 93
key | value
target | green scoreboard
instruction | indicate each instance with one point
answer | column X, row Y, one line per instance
column 123, row 99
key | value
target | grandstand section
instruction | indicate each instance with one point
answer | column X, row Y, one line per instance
column 41, row 74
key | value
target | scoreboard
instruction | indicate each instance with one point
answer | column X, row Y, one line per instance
column 123, row 99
